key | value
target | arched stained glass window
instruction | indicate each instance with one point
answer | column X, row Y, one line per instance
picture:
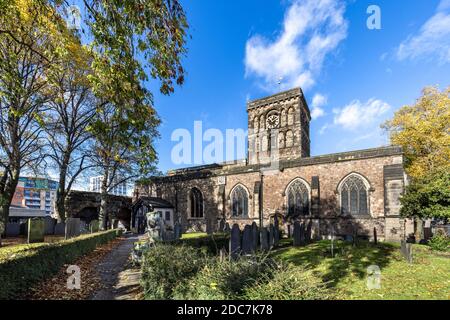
column 239, row 202
column 196, row 202
column 298, row 199
column 354, row 198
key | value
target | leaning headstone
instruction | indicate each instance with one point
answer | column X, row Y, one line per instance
column 296, row 234
column 264, row 239
column 406, row 249
column 247, row 240
column 72, row 227
column 375, row 237
column 60, row 229
column 94, row 226
column 36, row 228
column 235, row 241
column 308, row 236
column 177, row 231
column 13, row 229
column 255, row 237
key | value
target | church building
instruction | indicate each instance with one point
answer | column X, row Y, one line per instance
column 343, row 194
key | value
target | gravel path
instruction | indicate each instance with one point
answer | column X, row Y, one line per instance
column 120, row 280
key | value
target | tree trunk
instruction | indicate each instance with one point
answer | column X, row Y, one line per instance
column 7, row 197
column 102, row 216
column 61, row 195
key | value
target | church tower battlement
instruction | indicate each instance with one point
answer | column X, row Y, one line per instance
column 278, row 127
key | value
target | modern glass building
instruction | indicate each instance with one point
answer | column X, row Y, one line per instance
column 36, row 193
column 96, row 184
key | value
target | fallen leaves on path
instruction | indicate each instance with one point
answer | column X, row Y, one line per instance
column 55, row 288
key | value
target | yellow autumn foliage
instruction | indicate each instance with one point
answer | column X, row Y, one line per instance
column 423, row 130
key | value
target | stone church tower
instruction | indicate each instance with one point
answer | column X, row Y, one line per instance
column 278, row 127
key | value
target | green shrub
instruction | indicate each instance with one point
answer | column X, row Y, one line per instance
column 166, row 266
column 440, row 241
column 222, row 280
column 288, row 283
column 23, row 266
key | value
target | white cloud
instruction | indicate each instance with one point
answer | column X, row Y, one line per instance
column 312, row 29
column 432, row 40
column 318, row 102
column 359, row 115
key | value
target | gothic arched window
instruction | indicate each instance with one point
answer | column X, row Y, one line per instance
column 289, row 138
column 239, row 202
column 196, row 203
column 297, row 198
column 290, row 117
column 354, row 195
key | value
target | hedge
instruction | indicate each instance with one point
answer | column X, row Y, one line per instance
column 23, row 266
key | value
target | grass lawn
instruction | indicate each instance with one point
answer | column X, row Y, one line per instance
column 427, row 278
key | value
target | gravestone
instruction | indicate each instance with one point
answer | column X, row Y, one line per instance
column 296, row 234
column 36, row 228
column 177, row 231
column 276, row 231
column 308, row 236
column 60, row 229
column 264, row 239
column 12, row 229
column 235, row 241
column 247, row 240
column 255, row 237
column 221, row 225
column 406, row 249
column 302, row 234
column 94, row 226
column 289, row 231
column 49, row 226
column 375, row 238
column 72, row 227
column 271, row 236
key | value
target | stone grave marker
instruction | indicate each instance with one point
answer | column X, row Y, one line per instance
column 406, row 249
column 177, row 231
column 271, row 236
column 308, row 236
column 12, row 229
column 60, row 229
column 72, row 227
column 247, row 240
column 302, row 234
column 264, row 239
column 255, row 237
column 235, row 241
column 375, row 237
column 296, row 234
column 276, row 232
column 221, row 225
column 49, row 226
column 94, row 226
column 36, row 228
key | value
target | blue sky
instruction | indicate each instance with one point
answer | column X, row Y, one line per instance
column 353, row 78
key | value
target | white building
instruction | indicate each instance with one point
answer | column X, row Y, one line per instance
column 95, row 185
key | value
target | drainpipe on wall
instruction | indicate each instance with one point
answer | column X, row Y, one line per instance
column 260, row 195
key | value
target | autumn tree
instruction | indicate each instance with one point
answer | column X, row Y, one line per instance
column 28, row 38
column 423, row 130
column 123, row 148
column 67, row 118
